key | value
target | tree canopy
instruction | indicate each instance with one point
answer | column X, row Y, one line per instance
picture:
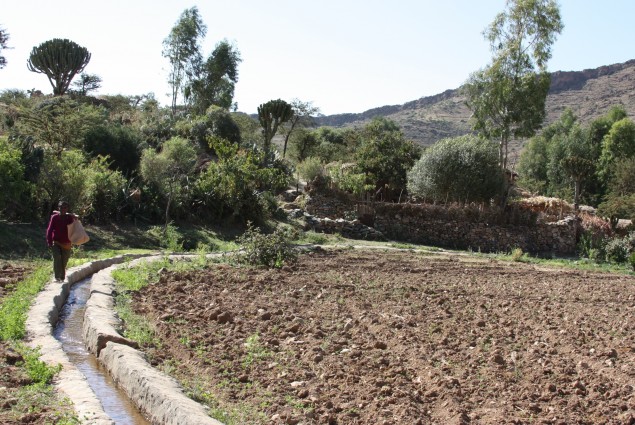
column 169, row 169
column 182, row 48
column 578, row 162
column 60, row 60
column 384, row 155
column 303, row 113
column 87, row 83
column 507, row 98
column 4, row 38
column 215, row 80
column 461, row 169
column 271, row 115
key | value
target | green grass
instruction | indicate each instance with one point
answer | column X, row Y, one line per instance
column 574, row 263
column 38, row 371
column 130, row 279
column 14, row 307
column 38, row 398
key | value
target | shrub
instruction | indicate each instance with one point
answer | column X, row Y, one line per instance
column 518, row 255
column 616, row 207
column 310, row 168
column 231, row 186
column 104, row 193
column 595, row 234
column 269, row 250
column 11, row 179
column 461, row 169
column 617, row 250
column 119, row 143
column 631, row 261
column 168, row 237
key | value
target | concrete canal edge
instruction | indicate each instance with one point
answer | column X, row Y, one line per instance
column 158, row 396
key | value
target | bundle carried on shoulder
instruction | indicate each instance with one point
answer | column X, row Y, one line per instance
column 76, row 233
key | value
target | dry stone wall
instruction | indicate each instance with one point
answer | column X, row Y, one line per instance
column 422, row 224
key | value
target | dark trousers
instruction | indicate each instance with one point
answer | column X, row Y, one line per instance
column 60, row 260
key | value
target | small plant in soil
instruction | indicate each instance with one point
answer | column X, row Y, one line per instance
column 255, row 351
column 38, row 371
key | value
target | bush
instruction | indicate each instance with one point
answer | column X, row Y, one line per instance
column 310, row 168
column 217, row 122
column 617, row 250
column 518, row 255
column 233, row 185
column 120, row 144
column 269, row 250
column 11, row 180
column 631, row 261
column 461, row 169
column 617, row 207
column 168, row 236
column 595, row 234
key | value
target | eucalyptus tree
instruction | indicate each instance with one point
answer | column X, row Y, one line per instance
column 578, row 162
column 4, row 38
column 507, row 97
column 617, row 144
column 215, row 80
column 60, row 60
column 182, row 48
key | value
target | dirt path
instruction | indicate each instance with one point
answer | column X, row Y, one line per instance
column 354, row 337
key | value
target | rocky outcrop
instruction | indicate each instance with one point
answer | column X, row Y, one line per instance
column 589, row 93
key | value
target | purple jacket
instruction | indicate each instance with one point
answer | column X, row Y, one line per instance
column 58, row 228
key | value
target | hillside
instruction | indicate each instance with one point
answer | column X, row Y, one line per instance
column 589, row 93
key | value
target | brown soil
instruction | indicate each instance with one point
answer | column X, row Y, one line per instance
column 360, row 337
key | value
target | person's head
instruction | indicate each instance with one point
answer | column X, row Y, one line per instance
column 63, row 206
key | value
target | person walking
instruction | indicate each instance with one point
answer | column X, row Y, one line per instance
column 58, row 241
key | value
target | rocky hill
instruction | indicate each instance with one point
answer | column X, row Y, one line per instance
column 589, row 93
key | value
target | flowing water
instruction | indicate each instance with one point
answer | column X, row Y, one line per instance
column 69, row 332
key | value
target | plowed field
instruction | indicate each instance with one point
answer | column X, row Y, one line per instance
column 375, row 337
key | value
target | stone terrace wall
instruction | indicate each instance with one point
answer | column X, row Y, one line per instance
column 557, row 238
column 485, row 231
column 329, row 206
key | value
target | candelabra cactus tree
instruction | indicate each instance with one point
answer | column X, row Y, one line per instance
column 60, row 60
column 271, row 115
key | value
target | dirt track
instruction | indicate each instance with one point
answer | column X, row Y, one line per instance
column 354, row 337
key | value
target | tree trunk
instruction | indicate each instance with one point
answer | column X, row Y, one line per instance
column 167, row 214
column 576, row 196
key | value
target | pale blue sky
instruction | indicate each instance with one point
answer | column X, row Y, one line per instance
column 342, row 55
